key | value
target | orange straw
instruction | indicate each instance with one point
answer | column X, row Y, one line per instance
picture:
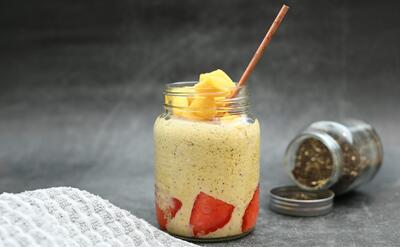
column 261, row 49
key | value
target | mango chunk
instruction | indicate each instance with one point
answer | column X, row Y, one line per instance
column 203, row 107
column 228, row 117
column 221, row 101
column 219, row 73
column 185, row 91
column 178, row 104
column 192, row 116
column 201, row 101
column 217, row 82
column 189, row 91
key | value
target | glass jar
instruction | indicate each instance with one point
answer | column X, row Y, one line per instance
column 206, row 168
column 338, row 156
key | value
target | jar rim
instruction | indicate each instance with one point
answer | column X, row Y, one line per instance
column 329, row 142
column 171, row 89
column 190, row 83
column 236, row 105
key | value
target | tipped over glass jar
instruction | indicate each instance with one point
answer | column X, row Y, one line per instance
column 335, row 156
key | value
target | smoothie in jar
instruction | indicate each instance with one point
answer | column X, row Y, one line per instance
column 207, row 160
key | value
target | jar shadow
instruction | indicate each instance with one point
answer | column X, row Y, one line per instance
column 352, row 198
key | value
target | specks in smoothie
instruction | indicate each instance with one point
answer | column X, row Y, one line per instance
column 189, row 143
column 196, row 156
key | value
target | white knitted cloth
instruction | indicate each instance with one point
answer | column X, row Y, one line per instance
column 71, row 217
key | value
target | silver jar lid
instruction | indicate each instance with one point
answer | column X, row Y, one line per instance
column 292, row 200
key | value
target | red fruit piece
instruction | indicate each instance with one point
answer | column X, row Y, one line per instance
column 162, row 220
column 209, row 214
column 169, row 213
column 175, row 208
column 251, row 213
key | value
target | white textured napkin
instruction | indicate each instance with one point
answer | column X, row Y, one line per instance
column 71, row 217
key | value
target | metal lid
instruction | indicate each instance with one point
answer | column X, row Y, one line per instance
column 292, row 200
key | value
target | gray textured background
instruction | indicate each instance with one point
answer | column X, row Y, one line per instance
column 81, row 83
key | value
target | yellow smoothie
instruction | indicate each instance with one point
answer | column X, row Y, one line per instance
column 220, row 159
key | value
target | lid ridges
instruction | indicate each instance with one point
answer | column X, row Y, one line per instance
column 294, row 201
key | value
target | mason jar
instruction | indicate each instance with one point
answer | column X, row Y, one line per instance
column 206, row 168
column 333, row 155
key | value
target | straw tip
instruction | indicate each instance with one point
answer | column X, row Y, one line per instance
column 285, row 6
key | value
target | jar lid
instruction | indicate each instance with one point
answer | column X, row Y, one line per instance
column 292, row 200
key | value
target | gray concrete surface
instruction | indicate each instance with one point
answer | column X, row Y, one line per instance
column 81, row 83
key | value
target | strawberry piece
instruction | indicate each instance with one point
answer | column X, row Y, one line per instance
column 169, row 213
column 162, row 220
column 209, row 214
column 251, row 213
column 175, row 208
